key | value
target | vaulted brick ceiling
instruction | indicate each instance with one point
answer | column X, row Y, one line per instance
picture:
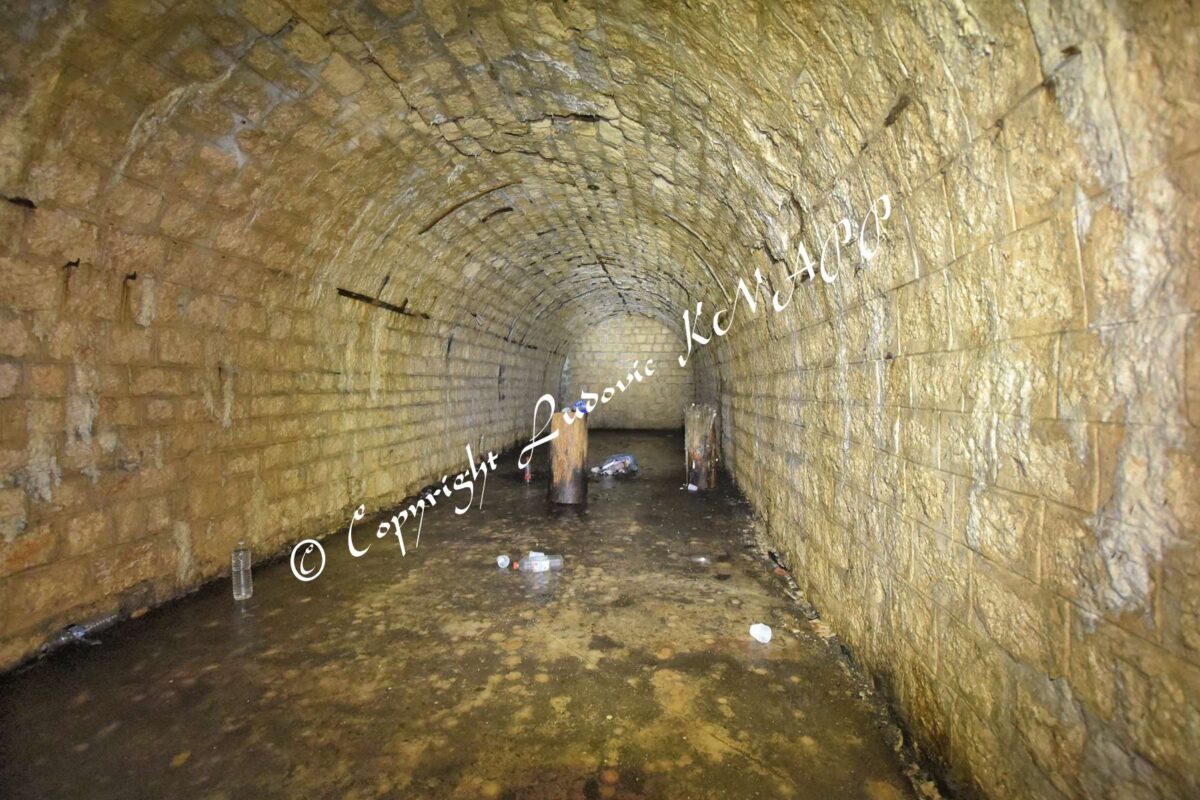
column 525, row 167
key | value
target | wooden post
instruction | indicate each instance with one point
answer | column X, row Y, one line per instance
column 700, row 445
column 568, row 459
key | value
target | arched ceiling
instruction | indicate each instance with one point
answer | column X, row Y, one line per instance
column 523, row 167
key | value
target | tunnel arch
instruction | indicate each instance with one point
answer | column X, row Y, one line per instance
column 265, row 261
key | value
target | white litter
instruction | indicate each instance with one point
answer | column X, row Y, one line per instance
column 760, row 632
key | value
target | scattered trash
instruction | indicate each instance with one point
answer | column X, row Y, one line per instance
column 502, row 562
column 760, row 632
column 538, row 562
column 243, row 580
column 691, row 487
column 528, row 474
column 580, row 407
column 775, row 560
column 701, row 560
column 79, row 632
column 619, row 464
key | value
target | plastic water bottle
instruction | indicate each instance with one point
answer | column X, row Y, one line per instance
column 243, row 581
column 79, row 632
column 72, row 634
column 540, row 562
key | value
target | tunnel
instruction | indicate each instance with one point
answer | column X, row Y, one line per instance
column 279, row 274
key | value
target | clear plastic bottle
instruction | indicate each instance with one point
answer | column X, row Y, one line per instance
column 540, row 562
column 79, row 632
column 243, row 581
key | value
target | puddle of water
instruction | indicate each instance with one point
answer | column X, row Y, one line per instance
column 630, row 673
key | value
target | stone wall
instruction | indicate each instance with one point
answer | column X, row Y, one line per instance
column 261, row 261
column 979, row 449
column 189, row 354
column 605, row 354
column 152, row 422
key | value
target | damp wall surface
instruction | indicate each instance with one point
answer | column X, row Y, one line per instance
column 226, row 415
column 979, row 449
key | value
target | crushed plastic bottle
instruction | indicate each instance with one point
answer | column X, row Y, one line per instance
column 619, row 464
column 69, row 634
column 243, row 580
column 539, row 562
column 79, row 633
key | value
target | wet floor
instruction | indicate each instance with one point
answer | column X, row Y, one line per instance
column 629, row 674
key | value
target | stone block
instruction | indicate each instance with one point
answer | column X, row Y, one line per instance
column 1145, row 478
column 1051, row 727
column 973, row 300
column 1055, row 460
column 928, row 221
column 963, row 445
column 130, row 520
column 978, row 195
column 924, row 315
column 47, row 380
column 119, row 568
column 942, row 570
column 1027, row 621
column 133, row 202
column 1018, row 377
column 1126, row 373
column 1043, row 186
column 936, row 381
column 30, row 284
column 268, row 16
column 35, row 547
column 44, row 596
column 976, row 669
column 927, row 496
column 61, row 236
column 342, row 76
column 919, row 436
column 306, row 44
column 1111, row 770
column 66, row 180
column 1040, row 284
column 916, row 621
column 1003, row 527
column 84, row 533
column 1158, row 701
